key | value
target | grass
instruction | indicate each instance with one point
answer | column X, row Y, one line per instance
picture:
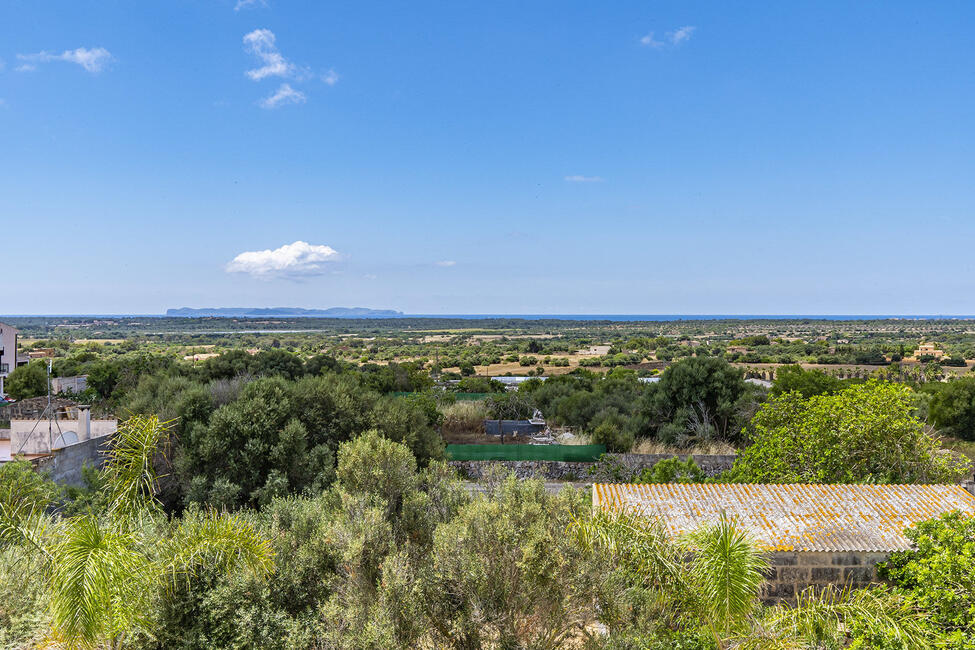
column 464, row 417
column 647, row 446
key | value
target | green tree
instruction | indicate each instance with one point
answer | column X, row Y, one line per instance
column 867, row 433
column 952, row 408
column 26, row 381
column 103, row 377
column 806, row 382
column 699, row 398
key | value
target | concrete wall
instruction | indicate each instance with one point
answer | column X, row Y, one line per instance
column 792, row 572
column 23, row 442
column 69, row 384
column 557, row 470
column 64, row 465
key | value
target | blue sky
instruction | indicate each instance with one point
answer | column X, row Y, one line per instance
column 502, row 157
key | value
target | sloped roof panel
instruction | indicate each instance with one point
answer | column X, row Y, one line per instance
column 793, row 517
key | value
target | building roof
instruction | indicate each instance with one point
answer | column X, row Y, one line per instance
column 794, row 517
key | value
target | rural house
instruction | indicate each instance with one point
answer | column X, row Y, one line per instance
column 814, row 534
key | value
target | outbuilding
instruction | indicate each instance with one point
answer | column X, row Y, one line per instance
column 813, row 534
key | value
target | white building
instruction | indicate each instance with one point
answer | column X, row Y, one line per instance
column 39, row 437
column 8, row 352
column 595, row 351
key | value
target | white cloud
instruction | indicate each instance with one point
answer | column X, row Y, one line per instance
column 673, row 38
column 678, row 36
column 370, row 276
column 247, row 4
column 93, row 60
column 285, row 94
column 331, row 77
column 292, row 261
column 447, row 263
column 649, row 41
column 577, row 178
column 261, row 43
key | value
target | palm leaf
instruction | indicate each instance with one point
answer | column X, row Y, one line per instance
column 727, row 571
column 223, row 542
column 132, row 479
column 101, row 583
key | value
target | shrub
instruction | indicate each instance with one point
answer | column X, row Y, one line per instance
column 866, row 433
column 673, row 470
column 939, row 574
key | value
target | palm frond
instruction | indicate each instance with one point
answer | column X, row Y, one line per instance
column 220, row 541
column 727, row 571
column 22, row 522
column 101, row 583
column 132, row 479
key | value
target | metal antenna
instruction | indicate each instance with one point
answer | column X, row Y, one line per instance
column 49, row 412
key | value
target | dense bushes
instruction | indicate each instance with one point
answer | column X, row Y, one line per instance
column 805, row 382
column 867, row 433
column 279, row 437
column 938, row 576
column 696, row 400
column 393, row 556
column 952, row 407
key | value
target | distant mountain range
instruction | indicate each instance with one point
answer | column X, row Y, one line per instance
column 292, row 312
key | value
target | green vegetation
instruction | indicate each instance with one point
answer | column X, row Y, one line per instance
column 298, row 498
column 866, row 433
column 938, row 576
column 100, row 571
column 29, row 380
column 952, row 407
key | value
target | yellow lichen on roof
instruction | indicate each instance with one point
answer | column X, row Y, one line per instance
column 793, row 517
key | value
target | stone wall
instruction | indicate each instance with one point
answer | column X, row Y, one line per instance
column 563, row 471
column 792, row 572
column 64, row 465
column 710, row 464
column 27, row 409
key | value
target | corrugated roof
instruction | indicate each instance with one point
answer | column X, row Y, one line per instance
column 794, row 517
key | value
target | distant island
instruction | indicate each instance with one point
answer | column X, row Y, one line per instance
column 264, row 312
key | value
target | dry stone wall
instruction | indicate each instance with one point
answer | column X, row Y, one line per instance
column 571, row 471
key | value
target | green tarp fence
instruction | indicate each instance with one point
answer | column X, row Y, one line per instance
column 564, row 453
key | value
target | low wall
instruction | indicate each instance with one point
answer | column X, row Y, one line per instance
column 27, row 409
column 792, row 572
column 579, row 471
column 35, row 436
column 710, row 464
column 64, row 465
